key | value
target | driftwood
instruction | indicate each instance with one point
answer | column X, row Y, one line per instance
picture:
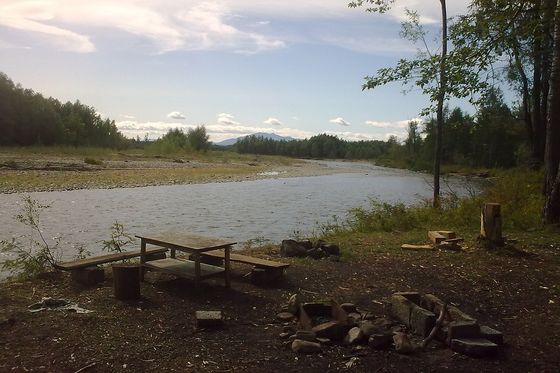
column 436, row 328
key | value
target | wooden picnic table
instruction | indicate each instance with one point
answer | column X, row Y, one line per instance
column 189, row 243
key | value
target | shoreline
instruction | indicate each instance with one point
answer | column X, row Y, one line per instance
column 63, row 174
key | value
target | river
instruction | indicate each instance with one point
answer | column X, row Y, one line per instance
column 270, row 209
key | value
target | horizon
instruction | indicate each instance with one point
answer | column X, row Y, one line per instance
column 236, row 67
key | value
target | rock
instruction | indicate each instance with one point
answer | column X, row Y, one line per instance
column 402, row 343
column 304, row 322
column 354, row 336
column 492, row 335
column 338, row 314
column 316, row 253
column 317, row 309
column 324, row 341
column 412, row 296
column 285, row 335
column 306, row 335
column 349, row 307
column 285, row 316
column 422, row 321
column 434, row 304
column 477, row 347
column 88, row 276
column 292, row 248
column 354, row 318
column 307, row 244
column 319, row 243
column 289, row 329
column 330, row 249
column 293, row 304
column 332, row 330
column 380, row 341
column 305, row 347
column 209, row 319
column 462, row 329
column 401, row 308
column 368, row 328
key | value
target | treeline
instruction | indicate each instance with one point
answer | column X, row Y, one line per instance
column 28, row 118
column 175, row 140
column 320, row 146
column 493, row 137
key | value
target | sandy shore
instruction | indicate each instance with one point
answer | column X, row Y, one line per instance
column 50, row 173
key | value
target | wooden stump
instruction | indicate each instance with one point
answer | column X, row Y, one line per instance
column 126, row 281
column 491, row 223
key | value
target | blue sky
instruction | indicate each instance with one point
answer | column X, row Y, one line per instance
column 294, row 68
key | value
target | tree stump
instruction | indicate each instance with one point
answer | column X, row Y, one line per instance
column 491, row 223
column 126, row 281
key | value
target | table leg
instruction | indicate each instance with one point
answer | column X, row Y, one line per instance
column 196, row 257
column 142, row 258
column 227, row 266
column 172, row 254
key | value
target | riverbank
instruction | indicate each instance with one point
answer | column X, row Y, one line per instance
column 38, row 171
column 515, row 292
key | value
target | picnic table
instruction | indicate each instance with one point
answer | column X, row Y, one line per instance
column 189, row 243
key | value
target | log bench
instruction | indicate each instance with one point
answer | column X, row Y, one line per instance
column 85, row 271
column 264, row 271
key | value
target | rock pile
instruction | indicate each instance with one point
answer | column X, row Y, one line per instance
column 306, row 248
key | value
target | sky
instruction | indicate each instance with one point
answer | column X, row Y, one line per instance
column 294, row 68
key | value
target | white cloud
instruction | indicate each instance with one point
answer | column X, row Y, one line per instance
column 340, row 121
column 395, row 124
column 176, row 115
column 126, row 116
column 227, row 119
column 371, row 45
column 273, row 121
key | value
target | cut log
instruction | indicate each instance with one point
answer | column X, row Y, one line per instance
column 491, row 223
column 416, row 247
column 448, row 234
column 126, row 281
column 436, row 237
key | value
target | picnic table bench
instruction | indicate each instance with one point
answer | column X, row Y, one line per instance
column 102, row 259
column 257, row 262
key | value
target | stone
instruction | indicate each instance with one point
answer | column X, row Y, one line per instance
column 209, row 319
column 285, row 335
column 317, row 309
column 476, row 347
column 330, row 249
column 292, row 248
column 316, row 253
column 88, row 276
column 380, row 341
column 306, row 243
column 412, row 296
column 377, row 326
column 285, row 316
column 492, row 335
column 462, row 329
column 293, row 304
column 324, row 341
column 338, row 313
column 304, row 322
column 349, row 307
column 306, row 335
column 305, row 347
column 434, row 304
column 289, row 329
column 354, row 336
column 422, row 321
column 354, row 318
column 401, row 308
column 402, row 343
column 332, row 330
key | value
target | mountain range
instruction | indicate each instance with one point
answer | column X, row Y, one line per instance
column 272, row 136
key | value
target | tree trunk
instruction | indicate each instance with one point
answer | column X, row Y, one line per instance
column 441, row 99
column 491, row 223
column 537, row 118
column 551, row 211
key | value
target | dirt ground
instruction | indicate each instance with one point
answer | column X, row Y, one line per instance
column 515, row 292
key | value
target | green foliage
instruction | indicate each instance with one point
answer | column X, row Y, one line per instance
column 27, row 260
column 198, row 139
column 28, row 118
column 176, row 141
column 119, row 239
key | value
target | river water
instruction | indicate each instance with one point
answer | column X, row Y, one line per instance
column 271, row 209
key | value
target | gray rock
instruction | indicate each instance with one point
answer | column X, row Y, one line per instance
column 324, row 341
column 412, row 296
column 349, row 307
column 332, row 330
column 477, row 347
column 331, row 249
column 292, row 248
column 317, row 309
column 354, row 336
column 306, row 335
column 285, row 335
column 354, row 318
column 285, row 316
column 492, row 335
column 316, row 253
column 401, row 308
column 293, row 304
column 380, row 341
column 422, row 321
column 402, row 343
column 305, row 347
column 462, row 329
column 306, row 243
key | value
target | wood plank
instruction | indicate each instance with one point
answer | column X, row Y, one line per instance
column 416, row 247
column 448, row 234
column 258, row 262
column 186, row 241
column 183, row 268
column 436, row 237
column 102, row 259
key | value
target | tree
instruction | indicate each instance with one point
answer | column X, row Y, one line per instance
column 198, row 139
column 429, row 71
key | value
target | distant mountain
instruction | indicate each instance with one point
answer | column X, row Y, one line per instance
column 272, row 136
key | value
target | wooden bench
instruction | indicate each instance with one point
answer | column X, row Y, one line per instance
column 265, row 272
column 102, row 259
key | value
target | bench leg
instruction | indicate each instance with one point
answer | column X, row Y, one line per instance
column 227, row 266
column 142, row 257
column 196, row 269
